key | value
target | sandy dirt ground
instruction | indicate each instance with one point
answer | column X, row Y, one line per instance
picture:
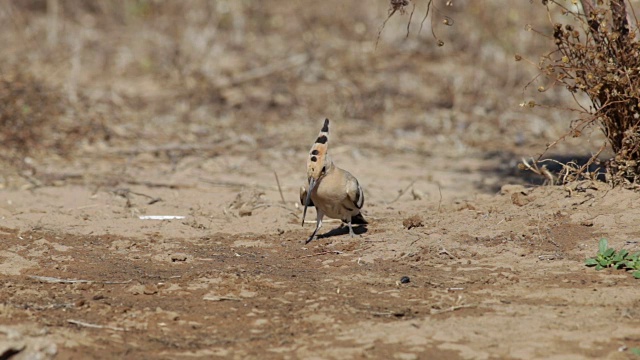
column 207, row 110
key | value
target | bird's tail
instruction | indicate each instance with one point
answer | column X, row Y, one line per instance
column 358, row 220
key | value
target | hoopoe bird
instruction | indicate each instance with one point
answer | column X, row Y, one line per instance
column 334, row 192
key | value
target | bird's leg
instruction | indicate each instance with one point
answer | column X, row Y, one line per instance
column 320, row 215
column 312, row 235
column 351, row 229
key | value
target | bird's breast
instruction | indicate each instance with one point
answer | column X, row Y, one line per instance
column 328, row 190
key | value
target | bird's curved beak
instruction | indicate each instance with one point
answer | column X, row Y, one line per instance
column 312, row 184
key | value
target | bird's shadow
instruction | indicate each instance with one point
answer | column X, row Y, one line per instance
column 342, row 230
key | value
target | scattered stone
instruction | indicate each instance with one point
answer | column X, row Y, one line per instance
column 178, row 257
column 246, row 210
column 136, row 289
column 466, row 205
column 520, row 198
column 586, row 222
column 150, row 289
column 417, row 194
column 511, row 189
column 246, row 200
column 194, row 324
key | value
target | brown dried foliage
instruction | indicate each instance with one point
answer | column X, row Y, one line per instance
column 599, row 56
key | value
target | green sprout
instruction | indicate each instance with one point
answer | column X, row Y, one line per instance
column 609, row 257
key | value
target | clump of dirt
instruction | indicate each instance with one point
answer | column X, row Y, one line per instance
column 413, row 221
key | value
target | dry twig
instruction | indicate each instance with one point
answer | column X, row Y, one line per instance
column 542, row 171
column 49, row 279
column 221, row 298
column 322, row 253
column 446, row 252
column 270, row 69
column 279, row 188
column 402, row 192
column 452, row 308
column 94, row 326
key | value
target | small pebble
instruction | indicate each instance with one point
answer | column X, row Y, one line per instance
column 178, row 257
column 405, row 280
column 150, row 289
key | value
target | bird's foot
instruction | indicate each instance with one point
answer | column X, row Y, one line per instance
column 309, row 239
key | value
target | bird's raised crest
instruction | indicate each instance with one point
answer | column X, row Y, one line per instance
column 316, row 163
column 318, row 152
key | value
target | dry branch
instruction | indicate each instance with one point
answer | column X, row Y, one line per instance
column 620, row 23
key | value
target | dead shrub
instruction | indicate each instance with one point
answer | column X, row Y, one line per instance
column 597, row 56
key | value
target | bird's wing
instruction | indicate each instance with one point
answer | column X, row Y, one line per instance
column 303, row 196
column 354, row 191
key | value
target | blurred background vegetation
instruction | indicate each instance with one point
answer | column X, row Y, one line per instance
column 80, row 80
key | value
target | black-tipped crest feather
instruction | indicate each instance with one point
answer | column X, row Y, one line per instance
column 316, row 164
column 325, row 126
